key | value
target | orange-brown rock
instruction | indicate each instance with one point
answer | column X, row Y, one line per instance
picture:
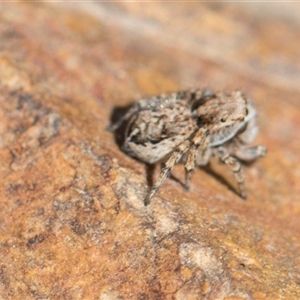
column 72, row 220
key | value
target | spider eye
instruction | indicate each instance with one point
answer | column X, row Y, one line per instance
column 223, row 120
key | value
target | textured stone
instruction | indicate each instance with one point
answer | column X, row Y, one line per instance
column 72, row 220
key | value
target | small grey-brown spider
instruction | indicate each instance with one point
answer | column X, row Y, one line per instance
column 193, row 126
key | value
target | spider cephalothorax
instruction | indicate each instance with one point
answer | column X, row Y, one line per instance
column 193, row 125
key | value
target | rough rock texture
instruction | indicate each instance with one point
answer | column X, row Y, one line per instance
column 72, row 220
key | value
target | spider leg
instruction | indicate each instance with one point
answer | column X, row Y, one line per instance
column 199, row 147
column 168, row 166
column 236, row 169
column 190, row 166
column 250, row 153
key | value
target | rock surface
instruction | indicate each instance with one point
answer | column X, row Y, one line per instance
column 72, row 220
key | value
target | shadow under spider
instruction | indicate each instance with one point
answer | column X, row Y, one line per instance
column 212, row 173
column 220, row 179
column 117, row 113
column 150, row 169
column 223, row 180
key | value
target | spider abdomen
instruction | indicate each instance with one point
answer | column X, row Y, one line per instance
column 152, row 135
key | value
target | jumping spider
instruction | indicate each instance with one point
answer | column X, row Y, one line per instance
column 192, row 126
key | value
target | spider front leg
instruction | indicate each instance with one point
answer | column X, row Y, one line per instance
column 236, row 169
column 250, row 153
column 199, row 149
column 168, row 166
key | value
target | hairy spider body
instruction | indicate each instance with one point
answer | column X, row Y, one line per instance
column 192, row 126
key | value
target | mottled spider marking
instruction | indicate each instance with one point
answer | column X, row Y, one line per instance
column 192, row 126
